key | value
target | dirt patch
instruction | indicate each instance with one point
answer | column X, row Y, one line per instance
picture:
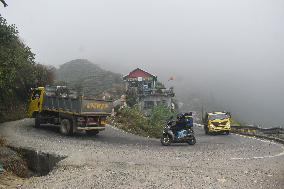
column 12, row 167
column 13, row 162
column 9, row 180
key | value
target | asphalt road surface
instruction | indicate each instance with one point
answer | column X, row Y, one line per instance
column 115, row 159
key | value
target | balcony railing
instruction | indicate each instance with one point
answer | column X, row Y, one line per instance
column 162, row 92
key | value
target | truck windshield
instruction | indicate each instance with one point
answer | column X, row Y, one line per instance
column 36, row 94
column 218, row 116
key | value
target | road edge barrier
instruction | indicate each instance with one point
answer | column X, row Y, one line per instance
column 264, row 133
column 273, row 134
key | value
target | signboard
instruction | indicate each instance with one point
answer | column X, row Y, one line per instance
column 93, row 106
column 140, row 79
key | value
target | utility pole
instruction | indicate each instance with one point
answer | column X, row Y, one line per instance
column 202, row 112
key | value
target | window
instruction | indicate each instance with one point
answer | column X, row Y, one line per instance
column 133, row 84
column 148, row 104
column 36, row 94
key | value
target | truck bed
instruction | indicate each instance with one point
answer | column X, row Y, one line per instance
column 79, row 105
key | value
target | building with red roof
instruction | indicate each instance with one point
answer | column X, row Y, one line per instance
column 144, row 85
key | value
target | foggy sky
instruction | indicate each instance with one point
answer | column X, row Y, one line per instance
column 231, row 49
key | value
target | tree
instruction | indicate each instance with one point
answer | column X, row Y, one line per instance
column 18, row 70
column 16, row 60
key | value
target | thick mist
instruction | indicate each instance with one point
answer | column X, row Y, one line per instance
column 226, row 55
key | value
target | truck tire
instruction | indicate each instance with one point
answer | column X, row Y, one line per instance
column 206, row 130
column 92, row 132
column 37, row 120
column 66, row 127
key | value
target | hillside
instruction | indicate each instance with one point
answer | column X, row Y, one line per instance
column 89, row 78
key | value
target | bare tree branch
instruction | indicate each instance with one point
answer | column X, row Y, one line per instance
column 4, row 3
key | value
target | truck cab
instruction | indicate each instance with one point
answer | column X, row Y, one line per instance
column 36, row 100
column 217, row 122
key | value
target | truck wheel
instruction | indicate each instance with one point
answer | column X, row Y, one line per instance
column 206, row 131
column 92, row 132
column 227, row 132
column 37, row 120
column 66, row 127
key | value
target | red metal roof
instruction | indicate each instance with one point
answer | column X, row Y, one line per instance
column 139, row 73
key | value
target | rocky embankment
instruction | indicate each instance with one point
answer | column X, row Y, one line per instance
column 13, row 168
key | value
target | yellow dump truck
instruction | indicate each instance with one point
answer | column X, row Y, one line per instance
column 217, row 122
column 59, row 106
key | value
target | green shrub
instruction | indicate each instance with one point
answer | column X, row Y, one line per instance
column 133, row 120
column 158, row 119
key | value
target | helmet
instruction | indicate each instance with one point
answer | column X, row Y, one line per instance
column 180, row 116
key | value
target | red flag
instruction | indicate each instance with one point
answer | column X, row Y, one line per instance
column 171, row 78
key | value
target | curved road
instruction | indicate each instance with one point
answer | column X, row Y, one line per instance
column 115, row 159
